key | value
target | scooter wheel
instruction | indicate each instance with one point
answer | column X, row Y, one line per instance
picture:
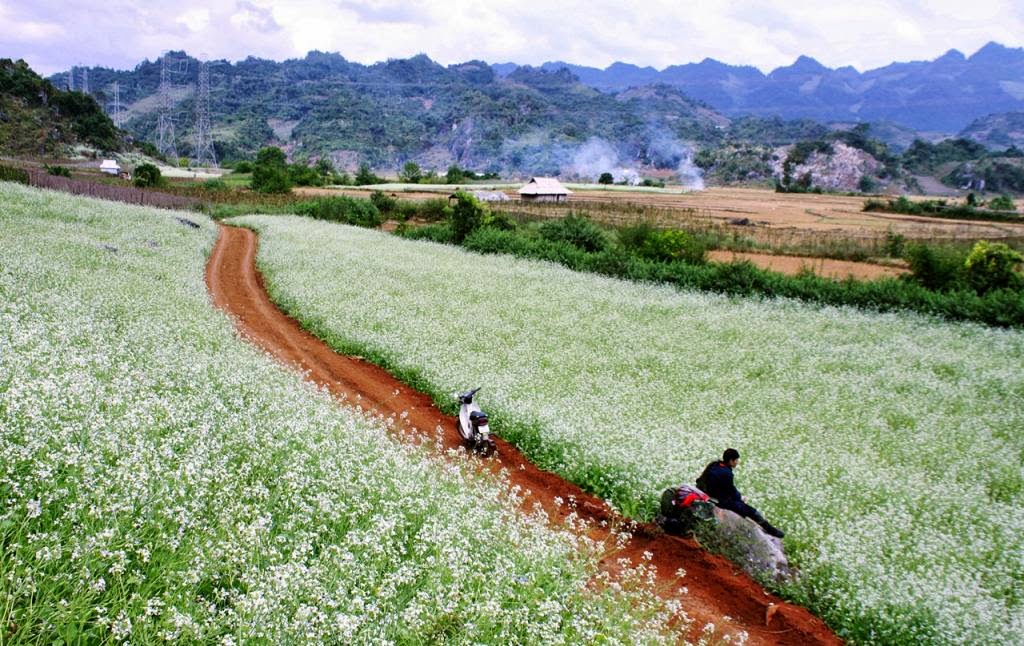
column 486, row 448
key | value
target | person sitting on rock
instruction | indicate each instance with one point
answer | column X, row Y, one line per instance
column 716, row 481
column 682, row 508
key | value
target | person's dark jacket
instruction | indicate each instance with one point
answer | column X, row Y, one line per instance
column 717, row 477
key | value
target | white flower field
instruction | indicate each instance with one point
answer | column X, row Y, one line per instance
column 888, row 446
column 162, row 480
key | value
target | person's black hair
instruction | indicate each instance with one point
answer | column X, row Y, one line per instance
column 730, row 454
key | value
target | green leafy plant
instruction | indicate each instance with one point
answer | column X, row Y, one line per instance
column 1002, row 203
column 671, row 244
column 270, row 172
column 349, row 210
column 993, row 265
column 384, row 202
column 59, row 171
column 147, row 175
column 577, row 231
column 467, row 214
column 936, row 268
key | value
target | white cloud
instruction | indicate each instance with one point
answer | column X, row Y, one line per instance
column 53, row 35
column 195, row 19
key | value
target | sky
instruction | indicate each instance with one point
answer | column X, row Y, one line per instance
column 53, row 35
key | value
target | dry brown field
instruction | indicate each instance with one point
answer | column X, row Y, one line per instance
column 779, row 213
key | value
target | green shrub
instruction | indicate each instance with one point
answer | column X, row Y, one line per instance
column 302, row 175
column 364, row 176
column 993, row 265
column 216, row 185
column 1002, row 203
column 411, row 173
column 243, row 166
column 9, row 174
column 467, row 214
column 384, row 202
column 633, row 237
column 147, row 175
column 59, row 171
column 576, row 230
column 894, row 245
column 936, row 268
column 437, row 232
column 606, row 178
column 270, row 172
column 671, row 244
column 345, row 209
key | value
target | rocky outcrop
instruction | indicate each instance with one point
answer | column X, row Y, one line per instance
column 840, row 170
column 760, row 555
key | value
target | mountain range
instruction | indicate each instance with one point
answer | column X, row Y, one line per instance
column 555, row 117
column 943, row 95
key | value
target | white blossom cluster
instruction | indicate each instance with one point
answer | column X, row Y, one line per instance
column 888, row 446
column 163, row 480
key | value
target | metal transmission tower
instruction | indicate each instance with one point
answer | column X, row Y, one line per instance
column 165, row 143
column 71, row 79
column 116, row 114
column 204, row 153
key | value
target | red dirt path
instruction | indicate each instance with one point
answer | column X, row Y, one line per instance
column 716, row 588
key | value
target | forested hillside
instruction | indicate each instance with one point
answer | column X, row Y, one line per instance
column 38, row 119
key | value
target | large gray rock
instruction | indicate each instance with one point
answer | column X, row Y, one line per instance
column 759, row 554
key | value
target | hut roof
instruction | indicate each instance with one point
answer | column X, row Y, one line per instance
column 544, row 186
column 490, row 196
column 110, row 164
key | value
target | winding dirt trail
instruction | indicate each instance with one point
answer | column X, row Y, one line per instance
column 716, row 588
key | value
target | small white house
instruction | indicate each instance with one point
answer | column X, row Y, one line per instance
column 544, row 189
column 110, row 167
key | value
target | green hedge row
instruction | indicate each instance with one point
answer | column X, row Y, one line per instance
column 1003, row 307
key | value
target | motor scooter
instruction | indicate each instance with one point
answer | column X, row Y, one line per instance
column 473, row 427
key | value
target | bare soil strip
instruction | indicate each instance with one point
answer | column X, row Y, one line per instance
column 716, row 588
column 827, row 267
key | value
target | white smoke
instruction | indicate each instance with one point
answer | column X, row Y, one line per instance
column 597, row 157
column 690, row 176
column 593, row 158
column 666, row 151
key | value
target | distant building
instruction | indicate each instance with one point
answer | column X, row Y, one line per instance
column 110, row 167
column 544, row 189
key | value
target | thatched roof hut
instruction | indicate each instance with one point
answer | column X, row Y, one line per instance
column 544, row 189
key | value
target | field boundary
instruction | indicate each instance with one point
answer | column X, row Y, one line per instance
column 126, row 194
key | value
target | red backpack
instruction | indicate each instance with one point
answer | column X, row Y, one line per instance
column 687, row 495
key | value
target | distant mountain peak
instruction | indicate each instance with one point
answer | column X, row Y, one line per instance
column 802, row 65
column 995, row 54
column 952, row 56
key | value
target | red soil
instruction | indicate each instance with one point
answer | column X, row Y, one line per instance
column 715, row 587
